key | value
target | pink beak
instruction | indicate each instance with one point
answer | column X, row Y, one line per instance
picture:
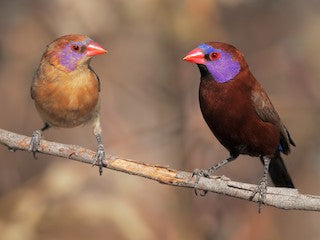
column 195, row 56
column 94, row 49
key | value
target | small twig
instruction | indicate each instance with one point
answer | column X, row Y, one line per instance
column 284, row 198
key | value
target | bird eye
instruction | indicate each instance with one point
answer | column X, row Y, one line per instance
column 214, row 56
column 75, row 48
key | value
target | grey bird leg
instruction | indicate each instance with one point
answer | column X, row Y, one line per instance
column 36, row 138
column 207, row 172
column 100, row 154
column 262, row 187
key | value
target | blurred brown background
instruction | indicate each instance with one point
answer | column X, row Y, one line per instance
column 150, row 113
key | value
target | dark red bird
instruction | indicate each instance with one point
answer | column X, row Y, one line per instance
column 239, row 112
column 66, row 90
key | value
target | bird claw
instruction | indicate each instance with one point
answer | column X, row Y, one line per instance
column 261, row 189
column 100, row 158
column 200, row 173
column 35, row 142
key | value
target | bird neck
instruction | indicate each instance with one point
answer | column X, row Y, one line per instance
column 56, row 72
column 54, row 62
column 209, row 74
column 64, row 62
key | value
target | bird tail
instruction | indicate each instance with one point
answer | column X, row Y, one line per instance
column 278, row 173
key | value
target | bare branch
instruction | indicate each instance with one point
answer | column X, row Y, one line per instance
column 284, row 198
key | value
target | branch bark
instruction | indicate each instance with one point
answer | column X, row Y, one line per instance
column 284, row 198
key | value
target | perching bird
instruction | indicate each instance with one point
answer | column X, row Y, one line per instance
column 239, row 112
column 66, row 90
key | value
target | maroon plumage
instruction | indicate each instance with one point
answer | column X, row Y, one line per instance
column 238, row 111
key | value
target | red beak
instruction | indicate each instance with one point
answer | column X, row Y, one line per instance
column 94, row 49
column 195, row 56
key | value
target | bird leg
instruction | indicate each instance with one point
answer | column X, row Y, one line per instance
column 36, row 138
column 100, row 154
column 262, row 187
column 207, row 172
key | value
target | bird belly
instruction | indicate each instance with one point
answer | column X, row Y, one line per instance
column 244, row 136
column 238, row 128
column 66, row 105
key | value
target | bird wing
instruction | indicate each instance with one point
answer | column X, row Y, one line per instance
column 264, row 107
column 267, row 113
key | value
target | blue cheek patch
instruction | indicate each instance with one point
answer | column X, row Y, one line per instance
column 69, row 58
column 223, row 69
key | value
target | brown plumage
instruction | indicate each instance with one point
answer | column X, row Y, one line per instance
column 65, row 99
column 239, row 112
column 239, row 105
column 66, row 90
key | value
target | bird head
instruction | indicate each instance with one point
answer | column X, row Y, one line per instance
column 222, row 61
column 69, row 52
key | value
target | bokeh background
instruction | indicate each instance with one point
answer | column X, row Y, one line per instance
column 150, row 113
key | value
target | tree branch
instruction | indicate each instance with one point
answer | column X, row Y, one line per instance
column 284, row 198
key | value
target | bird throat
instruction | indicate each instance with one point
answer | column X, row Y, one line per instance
column 203, row 71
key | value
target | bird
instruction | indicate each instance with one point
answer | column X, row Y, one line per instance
column 66, row 90
column 240, row 114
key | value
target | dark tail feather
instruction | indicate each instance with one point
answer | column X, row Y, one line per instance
column 279, row 174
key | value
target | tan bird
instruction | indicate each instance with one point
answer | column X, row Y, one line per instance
column 66, row 90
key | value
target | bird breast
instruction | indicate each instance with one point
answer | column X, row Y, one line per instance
column 67, row 100
column 227, row 109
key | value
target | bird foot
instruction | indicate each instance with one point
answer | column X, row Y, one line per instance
column 100, row 158
column 200, row 173
column 35, row 142
column 261, row 190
